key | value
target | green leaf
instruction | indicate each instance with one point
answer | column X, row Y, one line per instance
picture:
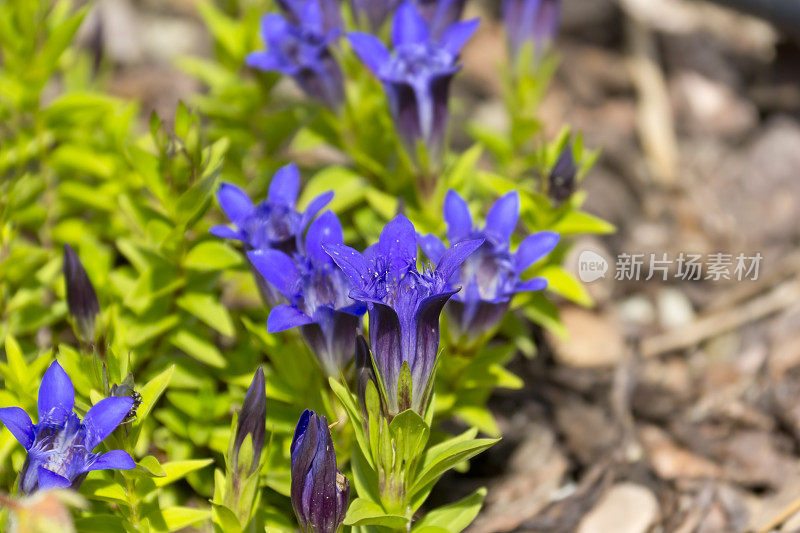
column 563, row 283
column 581, row 222
column 440, row 458
column 454, row 517
column 212, row 256
column 410, row 433
column 207, row 308
column 353, row 412
column 176, row 470
column 198, row 348
column 366, row 513
column 149, row 467
column 176, row 518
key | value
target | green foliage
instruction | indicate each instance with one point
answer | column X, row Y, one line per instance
column 180, row 312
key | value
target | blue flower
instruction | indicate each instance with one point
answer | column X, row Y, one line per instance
column 302, row 51
column 320, row 492
column 530, row 21
column 404, row 306
column 492, row 275
column 275, row 222
column 317, row 292
column 60, row 446
column 417, row 75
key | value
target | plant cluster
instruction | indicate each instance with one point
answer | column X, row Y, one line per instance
column 292, row 363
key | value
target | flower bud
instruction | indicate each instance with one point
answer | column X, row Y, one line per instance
column 320, row 492
column 81, row 298
column 562, row 177
column 252, row 421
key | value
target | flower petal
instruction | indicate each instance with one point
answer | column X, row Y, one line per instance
column 352, row 263
column 114, row 460
column 398, row 244
column 455, row 256
column 285, row 186
column 408, row 26
column 370, row 49
column 427, row 322
column 56, row 395
column 50, row 480
column 325, row 229
column 456, row 36
column 502, row 218
column 225, row 232
column 300, row 430
column 235, row 203
column 533, row 248
column 432, row 246
column 19, row 424
column 104, row 417
column 388, row 351
column 457, row 216
column 535, row 284
column 312, row 209
column 285, row 317
column 267, row 61
column 278, row 269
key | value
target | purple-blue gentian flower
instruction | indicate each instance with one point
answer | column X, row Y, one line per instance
column 273, row 223
column 60, row 446
column 375, row 12
column 404, row 306
column 562, row 178
column 417, row 74
column 302, row 51
column 330, row 10
column 530, row 21
column 440, row 14
column 320, row 492
column 318, row 295
column 252, row 421
column 492, row 275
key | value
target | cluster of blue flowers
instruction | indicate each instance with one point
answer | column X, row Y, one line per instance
column 306, row 273
column 427, row 37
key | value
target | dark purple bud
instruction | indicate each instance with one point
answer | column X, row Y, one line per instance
column 81, row 298
column 561, row 183
column 530, row 21
column 252, row 421
column 320, row 492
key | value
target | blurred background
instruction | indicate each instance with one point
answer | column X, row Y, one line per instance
column 673, row 405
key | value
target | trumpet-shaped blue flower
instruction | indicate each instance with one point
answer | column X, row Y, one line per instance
column 317, row 292
column 530, row 21
column 60, row 446
column 492, row 275
column 301, row 50
column 417, row 74
column 320, row 492
column 404, row 306
column 273, row 223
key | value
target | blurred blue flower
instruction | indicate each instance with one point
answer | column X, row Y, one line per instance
column 273, row 223
column 417, row 75
column 317, row 292
column 404, row 306
column 59, row 447
column 302, row 51
column 530, row 21
column 320, row 492
column 491, row 276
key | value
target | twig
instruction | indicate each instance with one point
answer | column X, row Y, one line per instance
column 784, row 295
